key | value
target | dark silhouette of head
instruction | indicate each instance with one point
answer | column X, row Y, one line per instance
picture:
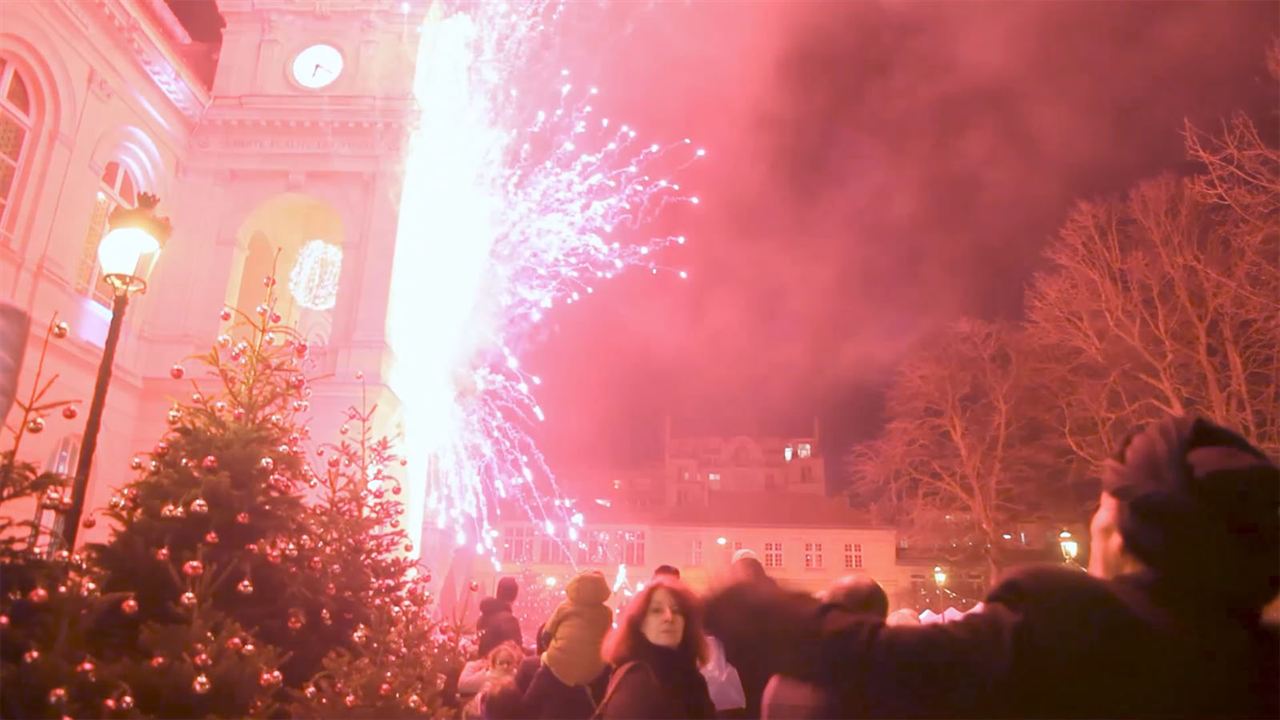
column 670, row 571
column 508, row 589
column 747, row 567
column 859, row 594
column 1193, row 505
column 504, row 701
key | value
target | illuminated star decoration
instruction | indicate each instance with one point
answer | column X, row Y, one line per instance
column 507, row 212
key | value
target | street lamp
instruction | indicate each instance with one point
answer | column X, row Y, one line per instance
column 1070, row 548
column 127, row 254
column 939, row 576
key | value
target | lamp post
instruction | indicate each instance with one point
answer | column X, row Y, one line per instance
column 127, row 254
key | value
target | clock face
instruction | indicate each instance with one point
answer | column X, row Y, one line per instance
column 317, row 66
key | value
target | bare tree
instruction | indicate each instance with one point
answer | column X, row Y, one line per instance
column 962, row 454
column 1169, row 302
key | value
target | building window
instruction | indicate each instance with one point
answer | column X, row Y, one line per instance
column 17, row 120
column 517, row 544
column 633, row 548
column 806, row 475
column 804, row 450
column 47, row 531
column 595, row 551
column 695, row 553
column 773, row 554
column 852, row 556
column 116, row 188
column 713, row 479
column 813, row 556
column 554, row 552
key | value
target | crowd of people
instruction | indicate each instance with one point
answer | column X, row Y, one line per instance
column 1185, row 554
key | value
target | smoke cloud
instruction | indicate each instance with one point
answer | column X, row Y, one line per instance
column 874, row 170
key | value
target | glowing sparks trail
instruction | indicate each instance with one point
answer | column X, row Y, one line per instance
column 507, row 211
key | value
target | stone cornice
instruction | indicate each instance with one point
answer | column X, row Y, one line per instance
column 128, row 26
column 262, row 138
column 319, row 8
column 311, row 111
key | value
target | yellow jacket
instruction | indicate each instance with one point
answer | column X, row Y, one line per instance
column 577, row 630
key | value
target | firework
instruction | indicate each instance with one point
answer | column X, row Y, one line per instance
column 512, row 205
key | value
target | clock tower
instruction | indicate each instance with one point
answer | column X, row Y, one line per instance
column 295, row 168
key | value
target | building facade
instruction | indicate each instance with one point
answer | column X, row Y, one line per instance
column 708, row 498
column 281, row 157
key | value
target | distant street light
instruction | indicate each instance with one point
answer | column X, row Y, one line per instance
column 127, row 255
column 939, row 577
column 1070, row 548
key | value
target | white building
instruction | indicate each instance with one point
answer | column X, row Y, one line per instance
column 710, row 498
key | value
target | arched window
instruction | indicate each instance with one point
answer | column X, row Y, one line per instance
column 116, row 188
column 17, row 119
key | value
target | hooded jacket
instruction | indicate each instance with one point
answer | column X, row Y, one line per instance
column 577, row 630
column 496, row 625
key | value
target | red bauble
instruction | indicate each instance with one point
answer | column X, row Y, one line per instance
column 70, row 412
column 176, row 372
column 210, row 463
column 225, row 315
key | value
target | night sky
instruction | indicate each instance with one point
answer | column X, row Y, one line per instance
column 875, row 170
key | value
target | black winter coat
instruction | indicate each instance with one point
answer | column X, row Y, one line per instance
column 496, row 625
column 657, row 684
column 1049, row 642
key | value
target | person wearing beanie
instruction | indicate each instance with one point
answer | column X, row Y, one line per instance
column 1185, row 553
column 572, row 664
column 497, row 623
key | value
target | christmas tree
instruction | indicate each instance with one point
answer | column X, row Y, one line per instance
column 204, row 544
column 238, row 580
column 394, row 665
column 49, row 603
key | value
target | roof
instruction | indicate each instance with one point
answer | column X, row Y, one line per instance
column 735, row 509
column 769, row 509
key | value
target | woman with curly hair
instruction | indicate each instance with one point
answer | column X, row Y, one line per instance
column 656, row 650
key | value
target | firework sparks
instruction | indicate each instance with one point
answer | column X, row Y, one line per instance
column 508, row 211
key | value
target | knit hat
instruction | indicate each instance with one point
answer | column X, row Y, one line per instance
column 1200, row 506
